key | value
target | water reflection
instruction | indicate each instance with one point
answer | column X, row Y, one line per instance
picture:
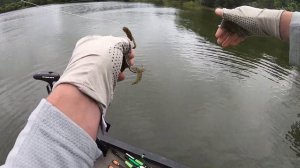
column 99, row 7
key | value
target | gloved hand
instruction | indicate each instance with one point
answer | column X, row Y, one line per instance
column 95, row 66
column 244, row 21
column 255, row 21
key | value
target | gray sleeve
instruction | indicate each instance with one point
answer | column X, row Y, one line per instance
column 294, row 58
column 50, row 139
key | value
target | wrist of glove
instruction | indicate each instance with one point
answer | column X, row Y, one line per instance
column 247, row 21
column 95, row 66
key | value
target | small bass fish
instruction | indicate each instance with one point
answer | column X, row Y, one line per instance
column 134, row 69
column 139, row 73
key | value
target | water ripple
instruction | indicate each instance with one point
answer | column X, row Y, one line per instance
column 239, row 63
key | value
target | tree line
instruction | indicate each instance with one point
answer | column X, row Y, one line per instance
column 9, row 5
column 291, row 5
column 278, row 4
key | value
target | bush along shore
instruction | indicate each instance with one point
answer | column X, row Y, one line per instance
column 11, row 6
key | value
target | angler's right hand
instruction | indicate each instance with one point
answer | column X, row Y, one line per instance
column 248, row 21
column 225, row 38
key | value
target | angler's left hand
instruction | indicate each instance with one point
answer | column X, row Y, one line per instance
column 86, row 88
column 95, row 66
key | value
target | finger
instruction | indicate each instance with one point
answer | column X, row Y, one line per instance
column 222, row 38
column 121, row 76
column 131, row 57
column 220, row 32
column 229, row 40
column 131, row 54
column 237, row 41
column 131, row 61
column 219, row 12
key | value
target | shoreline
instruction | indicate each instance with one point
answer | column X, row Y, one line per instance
column 23, row 5
column 180, row 4
column 189, row 5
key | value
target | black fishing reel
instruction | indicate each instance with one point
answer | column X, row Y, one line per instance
column 49, row 77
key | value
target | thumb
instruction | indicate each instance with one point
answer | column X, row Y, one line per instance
column 219, row 12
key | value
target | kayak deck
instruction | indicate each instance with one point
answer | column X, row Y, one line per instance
column 108, row 160
column 150, row 159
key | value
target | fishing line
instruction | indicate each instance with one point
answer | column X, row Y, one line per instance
column 73, row 14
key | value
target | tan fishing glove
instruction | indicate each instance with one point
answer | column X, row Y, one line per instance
column 252, row 21
column 95, row 66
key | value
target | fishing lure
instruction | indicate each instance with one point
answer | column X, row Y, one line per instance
column 139, row 73
column 134, row 69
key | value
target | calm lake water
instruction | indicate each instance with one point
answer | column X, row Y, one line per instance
column 197, row 104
